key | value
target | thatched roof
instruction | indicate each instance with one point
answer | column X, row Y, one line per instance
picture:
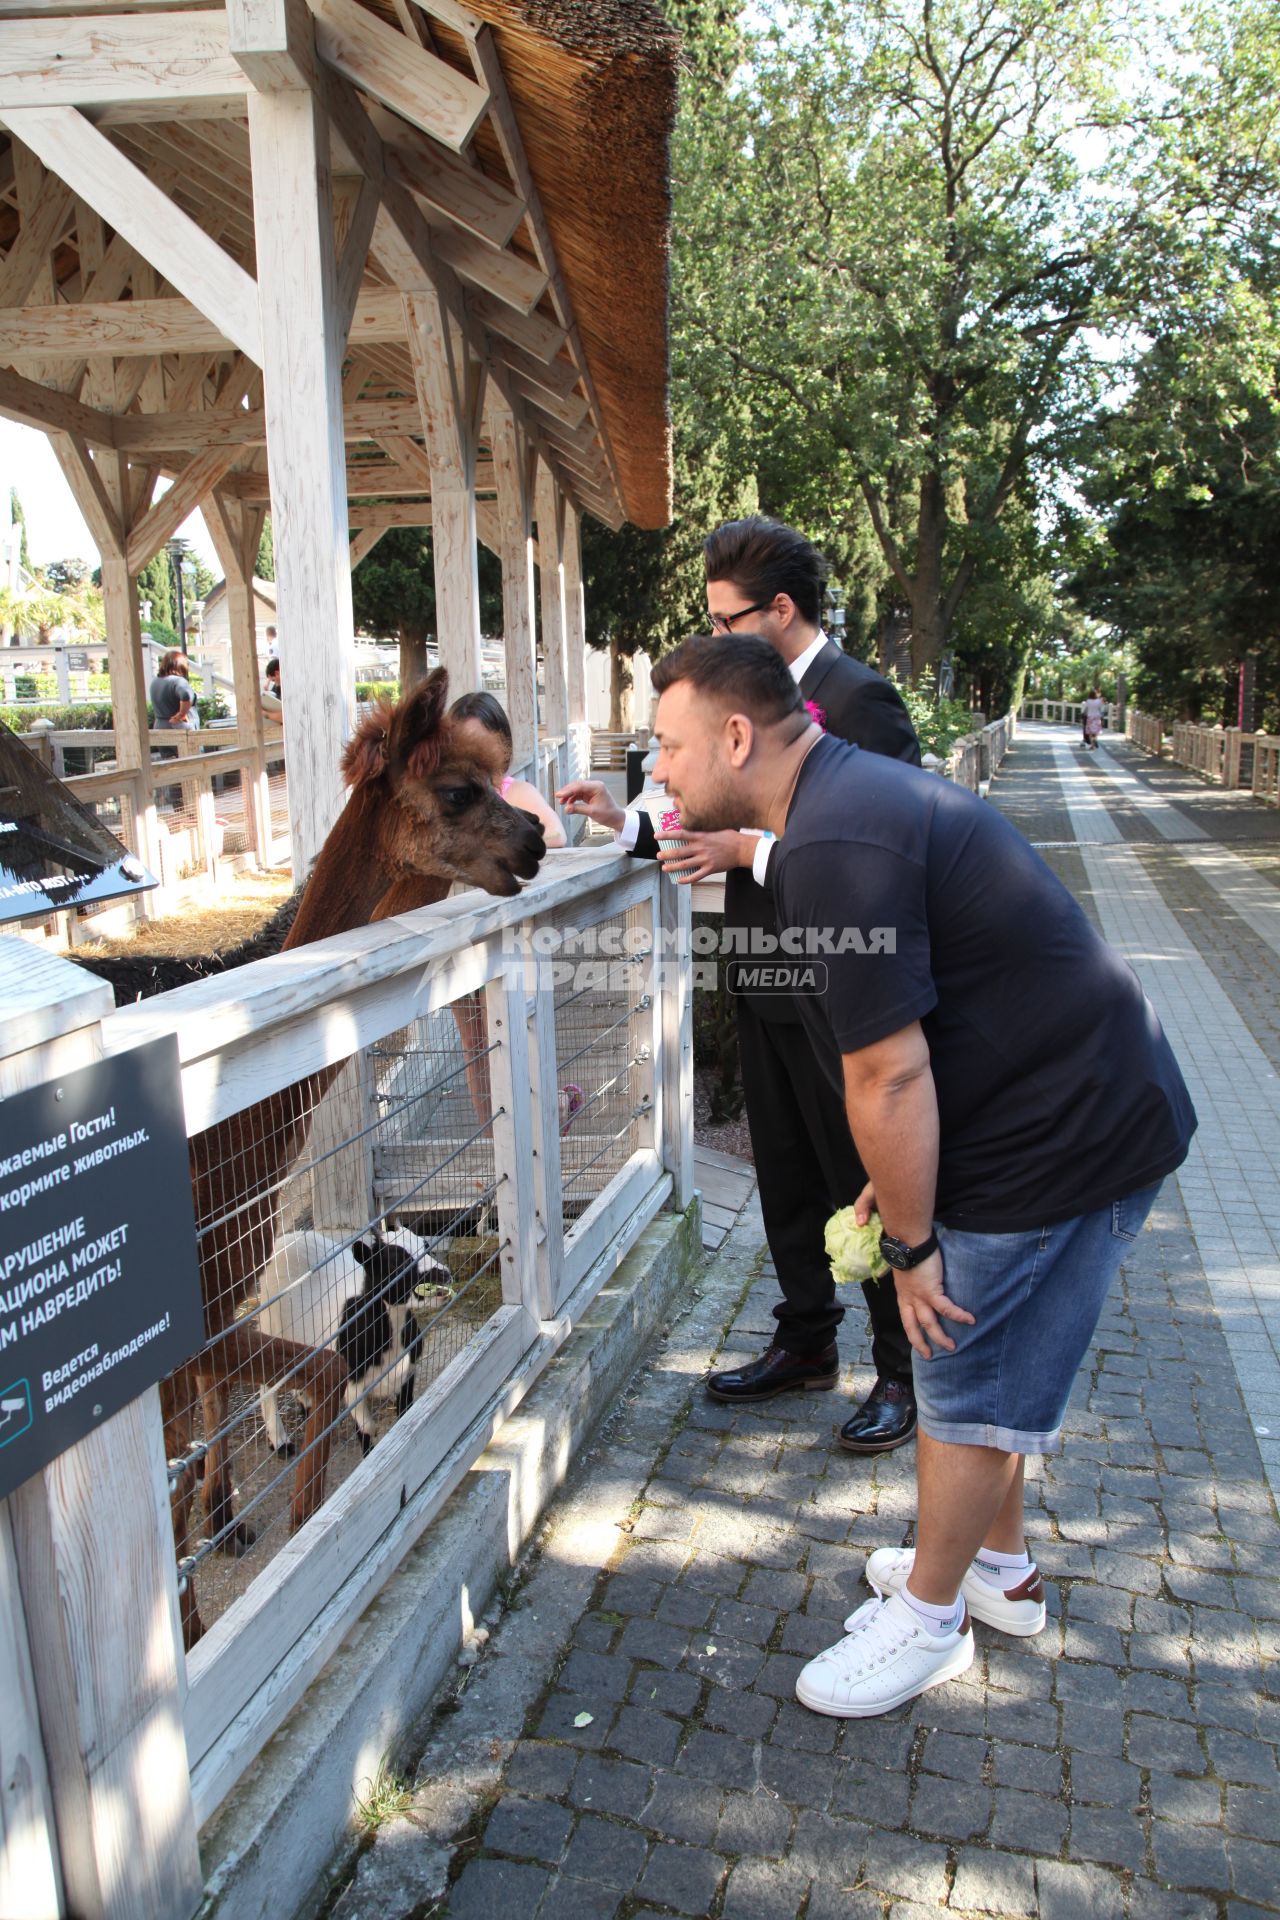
column 593, row 83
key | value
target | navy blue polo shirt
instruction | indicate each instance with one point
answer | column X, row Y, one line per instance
column 1057, row 1090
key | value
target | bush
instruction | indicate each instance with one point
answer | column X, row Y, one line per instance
column 63, row 718
column 938, row 723
column 378, row 690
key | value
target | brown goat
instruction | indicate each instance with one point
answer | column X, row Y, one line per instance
column 422, row 813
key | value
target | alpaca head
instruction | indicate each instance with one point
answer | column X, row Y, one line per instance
column 447, row 819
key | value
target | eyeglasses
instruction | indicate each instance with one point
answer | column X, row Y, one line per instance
column 723, row 622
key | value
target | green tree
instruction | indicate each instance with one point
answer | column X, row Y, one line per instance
column 393, row 590
column 155, row 585
column 264, row 566
column 920, row 228
column 66, row 576
column 19, row 519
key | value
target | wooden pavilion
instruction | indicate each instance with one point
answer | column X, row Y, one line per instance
column 365, row 264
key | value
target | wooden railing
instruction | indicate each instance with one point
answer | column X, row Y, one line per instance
column 1228, row 755
column 1146, row 731
column 568, row 1193
column 975, row 757
column 227, row 800
column 1065, row 713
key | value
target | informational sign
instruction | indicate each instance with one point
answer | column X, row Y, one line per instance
column 99, row 1279
column 77, row 660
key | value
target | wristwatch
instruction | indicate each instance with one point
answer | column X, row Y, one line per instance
column 903, row 1257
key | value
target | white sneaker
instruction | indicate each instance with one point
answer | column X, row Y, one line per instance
column 1018, row 1610
column 888, row 1656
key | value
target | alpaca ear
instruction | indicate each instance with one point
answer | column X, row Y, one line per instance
column 365, row 755
column 418, row 727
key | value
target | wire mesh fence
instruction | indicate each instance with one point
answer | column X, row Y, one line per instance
column 604, row 1084
column 353, row 1233
column 350, row 1249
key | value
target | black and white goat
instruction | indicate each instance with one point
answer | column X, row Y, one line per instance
column 359, row 1300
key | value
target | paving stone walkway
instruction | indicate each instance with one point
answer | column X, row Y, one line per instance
column 626, row 1742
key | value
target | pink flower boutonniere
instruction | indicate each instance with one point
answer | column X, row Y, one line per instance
column 815, row 712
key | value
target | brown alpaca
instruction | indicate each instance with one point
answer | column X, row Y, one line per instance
column 422, row 813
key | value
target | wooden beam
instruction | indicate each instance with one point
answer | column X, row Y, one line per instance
column 363, row 543
column 105, row 523
column 549, row 508
column 70, row 147
column 535, row 332
column 198, row 478
column 554, row 376
column 120, row 328
column 355, row 251
column 450, row 388
column 35, row 405
column 39, row 234
column 462, row 194
column 302, row 379
column 381, row 514
column 246, row 427
column 450, row 14
column 515, row 551
column 162, row 57
column 406, row 78
column 569, row 412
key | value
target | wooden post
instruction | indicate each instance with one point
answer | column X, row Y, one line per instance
column 577, row 760
column 229, row 532
column 101, row 490
column 92, row 1551
column 303, row 339
column 675, row 1002
column 575, row 617
column 449, row 384
column 555, row 708
column 515, row 524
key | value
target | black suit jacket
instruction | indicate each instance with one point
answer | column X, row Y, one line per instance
column 859, row 705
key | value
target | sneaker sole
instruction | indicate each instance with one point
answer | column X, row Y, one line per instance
column 748, row 1399
column 876, row 1446
column 960, row 1662
column 1018, row 1630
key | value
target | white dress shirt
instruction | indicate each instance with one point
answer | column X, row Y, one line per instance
column 629, row 831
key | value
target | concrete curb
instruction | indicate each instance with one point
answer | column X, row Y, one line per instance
column 269, row 1851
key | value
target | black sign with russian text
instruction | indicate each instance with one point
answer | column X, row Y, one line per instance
column 99, row 1279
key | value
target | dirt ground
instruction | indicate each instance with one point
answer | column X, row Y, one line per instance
column 732, row 1136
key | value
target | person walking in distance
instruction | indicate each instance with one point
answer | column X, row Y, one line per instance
column 766, row 579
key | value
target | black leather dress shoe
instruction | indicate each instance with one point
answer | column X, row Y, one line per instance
column 778, row 1371
column 885, row 1420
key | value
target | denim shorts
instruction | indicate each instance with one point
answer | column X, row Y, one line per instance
column 1035, row 1298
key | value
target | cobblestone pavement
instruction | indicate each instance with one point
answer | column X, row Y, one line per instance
column 628, row 1744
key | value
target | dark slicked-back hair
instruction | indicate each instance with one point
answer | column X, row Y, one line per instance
column 740, row 670
column 765, row 558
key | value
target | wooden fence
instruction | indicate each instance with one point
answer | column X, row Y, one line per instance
column 975, row 757
column 1065, row 713
column 578, row 988
column 1227, row 755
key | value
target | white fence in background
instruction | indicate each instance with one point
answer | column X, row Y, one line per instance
column 1234, row 758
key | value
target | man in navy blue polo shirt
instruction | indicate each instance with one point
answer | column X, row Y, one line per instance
column 1011, row 1096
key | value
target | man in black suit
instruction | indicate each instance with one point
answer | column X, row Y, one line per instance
column 766, row 579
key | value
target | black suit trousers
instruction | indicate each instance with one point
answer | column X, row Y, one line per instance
column 806, row 1168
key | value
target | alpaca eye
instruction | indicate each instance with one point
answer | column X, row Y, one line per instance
column 455, row 798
